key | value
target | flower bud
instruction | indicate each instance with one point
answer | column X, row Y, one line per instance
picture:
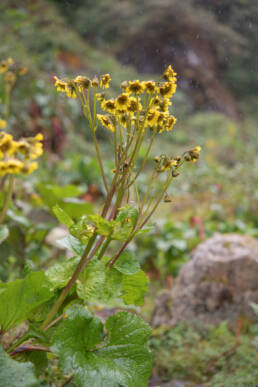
column 187, row 158
column 95, row 81
column 175, row 173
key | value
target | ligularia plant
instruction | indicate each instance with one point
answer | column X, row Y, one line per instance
column 57, row 305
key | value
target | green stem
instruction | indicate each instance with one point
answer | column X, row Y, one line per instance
column 144, row 160
column 7, row 199
column 104, row 247
column 66, row 290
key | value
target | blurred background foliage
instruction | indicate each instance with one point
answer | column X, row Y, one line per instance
column 212, row 44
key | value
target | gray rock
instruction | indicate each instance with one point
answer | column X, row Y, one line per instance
column 218, row 283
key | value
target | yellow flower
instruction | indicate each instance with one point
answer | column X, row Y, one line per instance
column 105, row 121
column 82, row 82
column 23, row 147
column 133, row 106
column 31, row 147
column 162, row 117
column 70, row 90
column 170, row 75
column 170, row 123
column 5, row 64
column 39, row 137
column 156, row 101
column 161, row 121
column 3, row 168
column 29, row 168
column 152, row 117
column 6, row 144
column 12, row 166
column 167, row 89
column 150, row 86
column 36, row 150
column 109, row 105
column 122, row 102
column 2, row 124
column 135, row 87
column 60, row 84
column 104, row 81
column 165, row 104
column 195, row 153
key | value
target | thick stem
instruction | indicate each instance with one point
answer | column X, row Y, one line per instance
column 66, row 290
column 7, row 199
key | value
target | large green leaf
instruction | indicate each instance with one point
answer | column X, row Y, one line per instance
column 21, row 296
column 60, row 273
column 123, row 359
column 15, row 374
column 99, row 285
column 127, row 263
column 90, row 282
column 4, row 232
column 134, row 288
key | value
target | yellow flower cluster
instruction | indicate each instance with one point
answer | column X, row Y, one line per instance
column 145, row 104
column 16, row 156
column 80, row 84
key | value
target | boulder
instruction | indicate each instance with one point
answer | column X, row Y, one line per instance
column 218, row 283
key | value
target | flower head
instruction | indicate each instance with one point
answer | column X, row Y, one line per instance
column 164, row 104
column 106, row 121
column 109, row 105
column 104, row 81
column 133, row 106
column 152, row 117
column 70, row 90
column 167, row 89
column 150, row 86
column 135, row 87
column 170, row 123
column 60, row 84
column 6, row 144
column 122, row 102
column 170, row 75
column 82, row 82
